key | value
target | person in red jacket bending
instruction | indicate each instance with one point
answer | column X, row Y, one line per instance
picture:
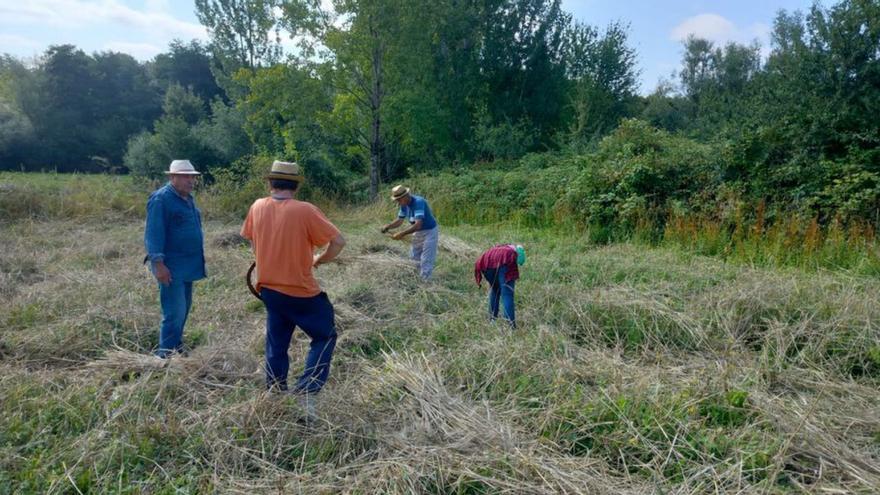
column 500, row 267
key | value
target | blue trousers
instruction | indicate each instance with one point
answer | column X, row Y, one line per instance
column 314, row 315
column 176, row 300
column 500, row 291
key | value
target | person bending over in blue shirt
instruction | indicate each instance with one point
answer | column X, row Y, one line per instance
column 175, row 249
column 423, row 226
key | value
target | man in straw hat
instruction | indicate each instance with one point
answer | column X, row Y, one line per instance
column 174, row 242
column 423, row 226
column 284, row 233
column 500, row 267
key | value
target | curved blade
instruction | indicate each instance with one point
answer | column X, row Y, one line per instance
column 250, row 283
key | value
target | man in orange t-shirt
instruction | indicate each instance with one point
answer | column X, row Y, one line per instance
column 284, row 233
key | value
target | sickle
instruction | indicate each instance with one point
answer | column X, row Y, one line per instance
column 250, row 284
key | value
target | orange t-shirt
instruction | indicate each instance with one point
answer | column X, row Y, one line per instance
column 285, row 233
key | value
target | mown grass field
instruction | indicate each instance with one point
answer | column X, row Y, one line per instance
column 634, row 369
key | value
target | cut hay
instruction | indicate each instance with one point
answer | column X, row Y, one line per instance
column 125, row 361
column 457, row 247
column 377, row 260
column 230, row 239
column 222, row 365
column 425, row 438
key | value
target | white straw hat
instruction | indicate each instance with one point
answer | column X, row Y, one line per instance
column 182, row 167
column 399, row 191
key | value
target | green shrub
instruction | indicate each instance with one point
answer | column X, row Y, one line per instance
column 236, row 187
column 637, row 173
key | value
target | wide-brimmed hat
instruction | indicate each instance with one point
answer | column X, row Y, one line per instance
column 285, row 171
column 399, row 191
column 182, row 167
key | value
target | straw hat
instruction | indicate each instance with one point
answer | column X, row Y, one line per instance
column 399, row 191
column 182, row 167
column 285, row 171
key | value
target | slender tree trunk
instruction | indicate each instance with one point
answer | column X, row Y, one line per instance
column 375, row 106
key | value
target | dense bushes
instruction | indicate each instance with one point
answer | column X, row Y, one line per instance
column 637, row 173
column 237, row 186
column 185, row 130
column 649, row 184
column 642, row 174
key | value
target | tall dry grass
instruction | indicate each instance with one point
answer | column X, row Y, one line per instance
column 790, row 240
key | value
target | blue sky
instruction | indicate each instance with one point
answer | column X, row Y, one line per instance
column 657, row 29
column 144, row 28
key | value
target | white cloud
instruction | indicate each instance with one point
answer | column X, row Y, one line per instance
column 718, row 29
column 140, row 51
column 83, row 14
column 13, row 41
column 712, row 27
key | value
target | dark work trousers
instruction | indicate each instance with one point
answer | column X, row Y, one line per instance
column 314, row 315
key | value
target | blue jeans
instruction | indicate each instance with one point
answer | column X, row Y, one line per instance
column 176, row 300
column 315, row 316
column 424, row 250
column 503, row 291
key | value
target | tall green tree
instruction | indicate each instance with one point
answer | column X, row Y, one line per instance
column 244, row 33
column 125, row 102
column 283, row 111
column 718, row 82
column 819, row 139
column 665, row 109
column 82, row 108
column 18, row 99
column 602, row 75
column 175, row 136
column 64, row 124
column 189, row 65
column 522, row 62
column 358, row 34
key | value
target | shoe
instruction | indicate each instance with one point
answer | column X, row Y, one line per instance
column 306, row 402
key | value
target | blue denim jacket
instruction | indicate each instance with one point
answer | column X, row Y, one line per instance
column 174, row 234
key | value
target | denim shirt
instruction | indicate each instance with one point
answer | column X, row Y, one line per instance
column 174, row 234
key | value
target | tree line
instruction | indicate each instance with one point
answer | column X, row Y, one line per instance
column 73, row 111
column 377, row 89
